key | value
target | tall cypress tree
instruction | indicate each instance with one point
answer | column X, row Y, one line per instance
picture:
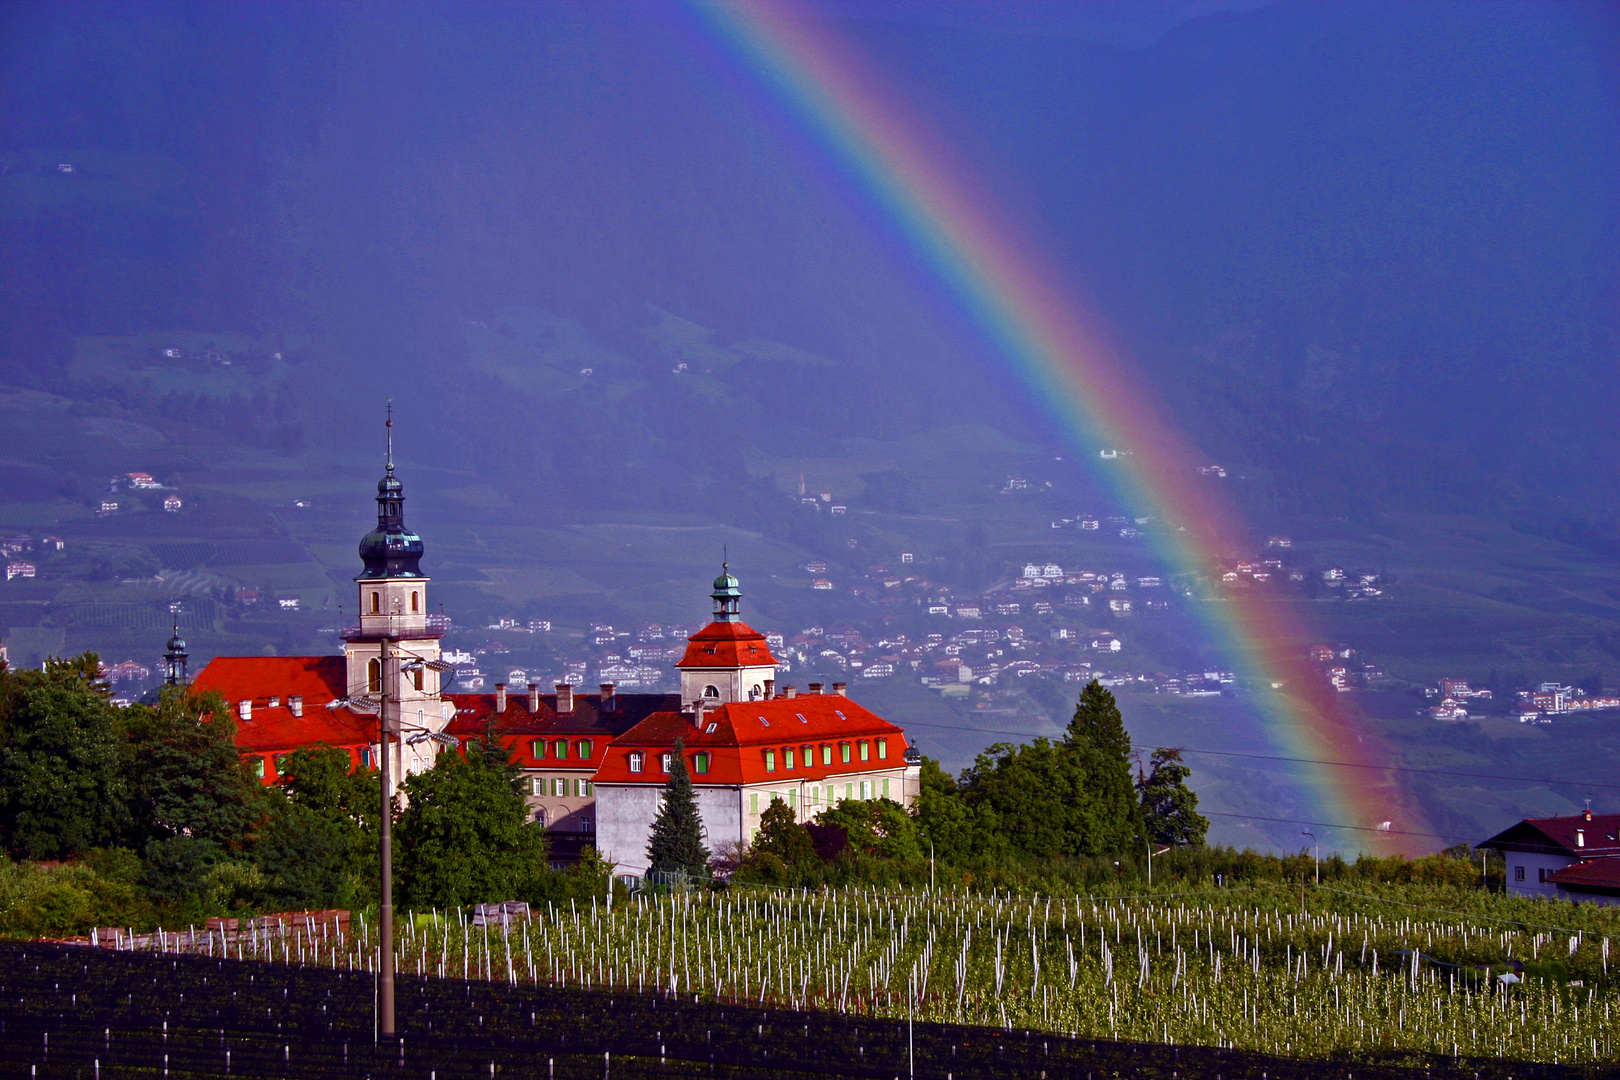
column 677, row 832
column 1111, row 820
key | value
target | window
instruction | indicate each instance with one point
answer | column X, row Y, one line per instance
column 843, row 749
column 787, row 758
column 1518, row 873
column 826, row 753
column 849, row 791
column 418, row 678
column 700, row 763
column 537, row 786
column 793, row 800
column 365, row 758
column 376, row 604
column 866, row 750
column 582, row 789
column 559, row 749
column 537, row 749
column 808, row 753
column 1541, row 873
column 414, row 603
column 815, row 796
column 885, row 787
column 866, row 790
column 540, row 816
column 711, row 691
column 883, row 749
column 753, row 802
column 583, row 749
column 374, row 675
column 663, row 761
column 559, row 787
column 281, row 769
column 637, row 758
column 770, row 761
column 258, row 767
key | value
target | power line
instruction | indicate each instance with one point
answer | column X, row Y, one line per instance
column 1308, row 761
column 1333, row 825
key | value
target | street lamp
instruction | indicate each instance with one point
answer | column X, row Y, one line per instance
column 390, row 726
column 1317, row 874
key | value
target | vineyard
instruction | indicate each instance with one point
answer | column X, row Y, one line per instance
column 1247, row 970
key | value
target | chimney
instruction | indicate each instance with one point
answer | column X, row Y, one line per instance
column 244, row 708
column 534, row 697
column 565, row 697
column 697, row 713
column 1587, row 814
column 789, row 692
column 815, row 687
column 840, row 689
column 609, row 702
column 500, row 697
column 296, row 704
column 770, row 689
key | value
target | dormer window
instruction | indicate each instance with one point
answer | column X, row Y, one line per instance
column 700, row 763
column 637, row 759
column 711, row 691
column 664, row 760
column 787, row 758
column 770, row 761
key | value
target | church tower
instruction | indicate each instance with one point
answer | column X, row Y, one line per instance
column 174, row 660
column 395, row 645
column 728, row 660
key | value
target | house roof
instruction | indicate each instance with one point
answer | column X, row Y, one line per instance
column 1590, row 875
column 738, row 733
column 1556, row 835
column 517, row 725
column 727, row 645
column 319, row 680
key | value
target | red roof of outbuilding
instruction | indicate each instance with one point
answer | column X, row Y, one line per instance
column 737, row 734
column 727, row 644
column 319, row 680
column 1603, row 874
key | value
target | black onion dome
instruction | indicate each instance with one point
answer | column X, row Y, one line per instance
column 391, row 550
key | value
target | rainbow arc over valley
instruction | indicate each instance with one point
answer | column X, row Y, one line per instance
column 1011, row 290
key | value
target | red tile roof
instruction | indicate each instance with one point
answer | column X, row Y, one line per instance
column 319, row 680
column 518, row 727
column 723, row 645
column 738, row 734
column 1600, row 874
column 1557, row 834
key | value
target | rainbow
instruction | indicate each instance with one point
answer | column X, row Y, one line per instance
column 1016, row 296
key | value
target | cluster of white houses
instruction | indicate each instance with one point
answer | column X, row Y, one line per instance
column 594, row 765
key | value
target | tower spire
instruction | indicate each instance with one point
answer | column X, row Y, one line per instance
column 388, row 435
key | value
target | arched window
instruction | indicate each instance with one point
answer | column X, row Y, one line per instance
column 414, row 610
column 711, row 691
column 755, row 693
column 374, row 675
column 376, row 604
